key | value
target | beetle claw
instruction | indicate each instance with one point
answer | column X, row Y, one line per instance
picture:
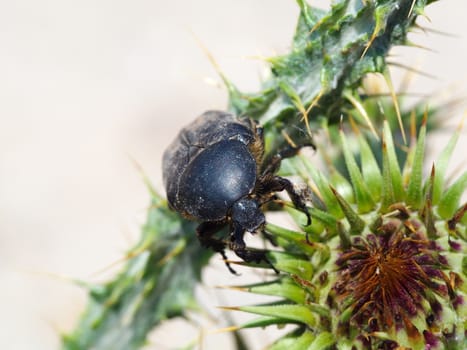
column 227, row 264
column 256, row 256
column 270, row 238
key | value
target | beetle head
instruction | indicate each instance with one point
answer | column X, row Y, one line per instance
column 247, row 213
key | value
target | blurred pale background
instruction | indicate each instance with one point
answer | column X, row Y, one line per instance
column 86, row 86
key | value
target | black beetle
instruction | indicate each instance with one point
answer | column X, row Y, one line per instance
column 214, row 171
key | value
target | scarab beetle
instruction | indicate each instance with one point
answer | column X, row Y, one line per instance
column 214, row 172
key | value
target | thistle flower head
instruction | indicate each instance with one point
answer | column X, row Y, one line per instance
column 392, row 277
column 384, row 264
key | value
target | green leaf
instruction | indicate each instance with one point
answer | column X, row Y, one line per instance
column 449, row 202
column 294, row 341
column 442, row 165
column 327, row 219
column 291, row 264
column 370, row 169
column 298, row 238
column 392, row 165
column 290, row 312
column 342, row 186
column 356, row 223
column 264, row 322
column 415, row 188
column 426, row 212
column 283, row 287
column 387, row 195
column 362, row 194
column 325, row 193
column 323, row 341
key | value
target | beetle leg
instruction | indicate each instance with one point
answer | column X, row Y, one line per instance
column 237, row 244
column 205, row 232
column 272, row 163
column 256, row 256
column 277, row 184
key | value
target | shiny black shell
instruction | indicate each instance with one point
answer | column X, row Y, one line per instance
column 209, row 166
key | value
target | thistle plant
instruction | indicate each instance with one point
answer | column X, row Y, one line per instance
column 383, row 264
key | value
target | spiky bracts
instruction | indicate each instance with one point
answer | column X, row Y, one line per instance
column 385, row 262
column 332, row 51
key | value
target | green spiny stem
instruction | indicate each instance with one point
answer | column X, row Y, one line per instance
column 156, row 283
